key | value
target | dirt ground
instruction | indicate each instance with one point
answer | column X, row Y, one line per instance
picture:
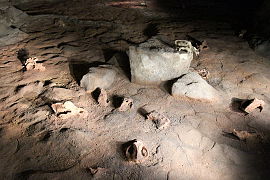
column 198, row 144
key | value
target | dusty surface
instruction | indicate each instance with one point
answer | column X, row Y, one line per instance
column 199, row 142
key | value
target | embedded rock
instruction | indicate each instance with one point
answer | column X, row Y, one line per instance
column 156, row 61
column 59, row 94
column 101, row 76
column 30, row 91
column 192, row 85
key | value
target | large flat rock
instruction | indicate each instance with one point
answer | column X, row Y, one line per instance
column 193, row 86
column 154, row 62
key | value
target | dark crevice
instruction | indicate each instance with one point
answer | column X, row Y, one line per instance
column 117, row 101
column 79, row 69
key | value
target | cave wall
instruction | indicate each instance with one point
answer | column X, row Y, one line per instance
column 251, row 15
column 262, row 19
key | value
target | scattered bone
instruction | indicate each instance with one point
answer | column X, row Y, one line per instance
column 160, row 120
column 251, row 104
column 204, row 73
column 245, row 135
column 31, row 63
column 200, row 45
column 68, row 109
column 59, row 108
column 203, row 46
column 96, row 171
column 126, row 104
column 186, row 46
column 242, row 33
column 103, row 98
column 135, row 151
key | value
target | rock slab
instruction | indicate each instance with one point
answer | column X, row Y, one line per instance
column 154, row 62
column 192, row 85
column 98, row 77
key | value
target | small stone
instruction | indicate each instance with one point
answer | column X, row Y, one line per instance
column 159, row 120
column 126, row 104
column 103, row 98
column 101, row 76
column 135, row 151
column 250, row 105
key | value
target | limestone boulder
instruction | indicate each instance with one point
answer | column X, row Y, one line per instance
column 10, row 21
column 10, row 36
column 155, row 61
column 192, row 85
column 98, row 77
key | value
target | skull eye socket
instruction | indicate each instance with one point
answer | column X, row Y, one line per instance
column 131, row 152
column 144, row 151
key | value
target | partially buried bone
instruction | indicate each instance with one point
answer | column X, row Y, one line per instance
column 127, row 104
column 158, row 119
column 135, row 151
column 251, row 104
column 68, row 108
column 246, row 135
column 204, row 73
column 184, row 46
column 31, row 63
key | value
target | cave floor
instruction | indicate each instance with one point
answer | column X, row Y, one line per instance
column 198, row 144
